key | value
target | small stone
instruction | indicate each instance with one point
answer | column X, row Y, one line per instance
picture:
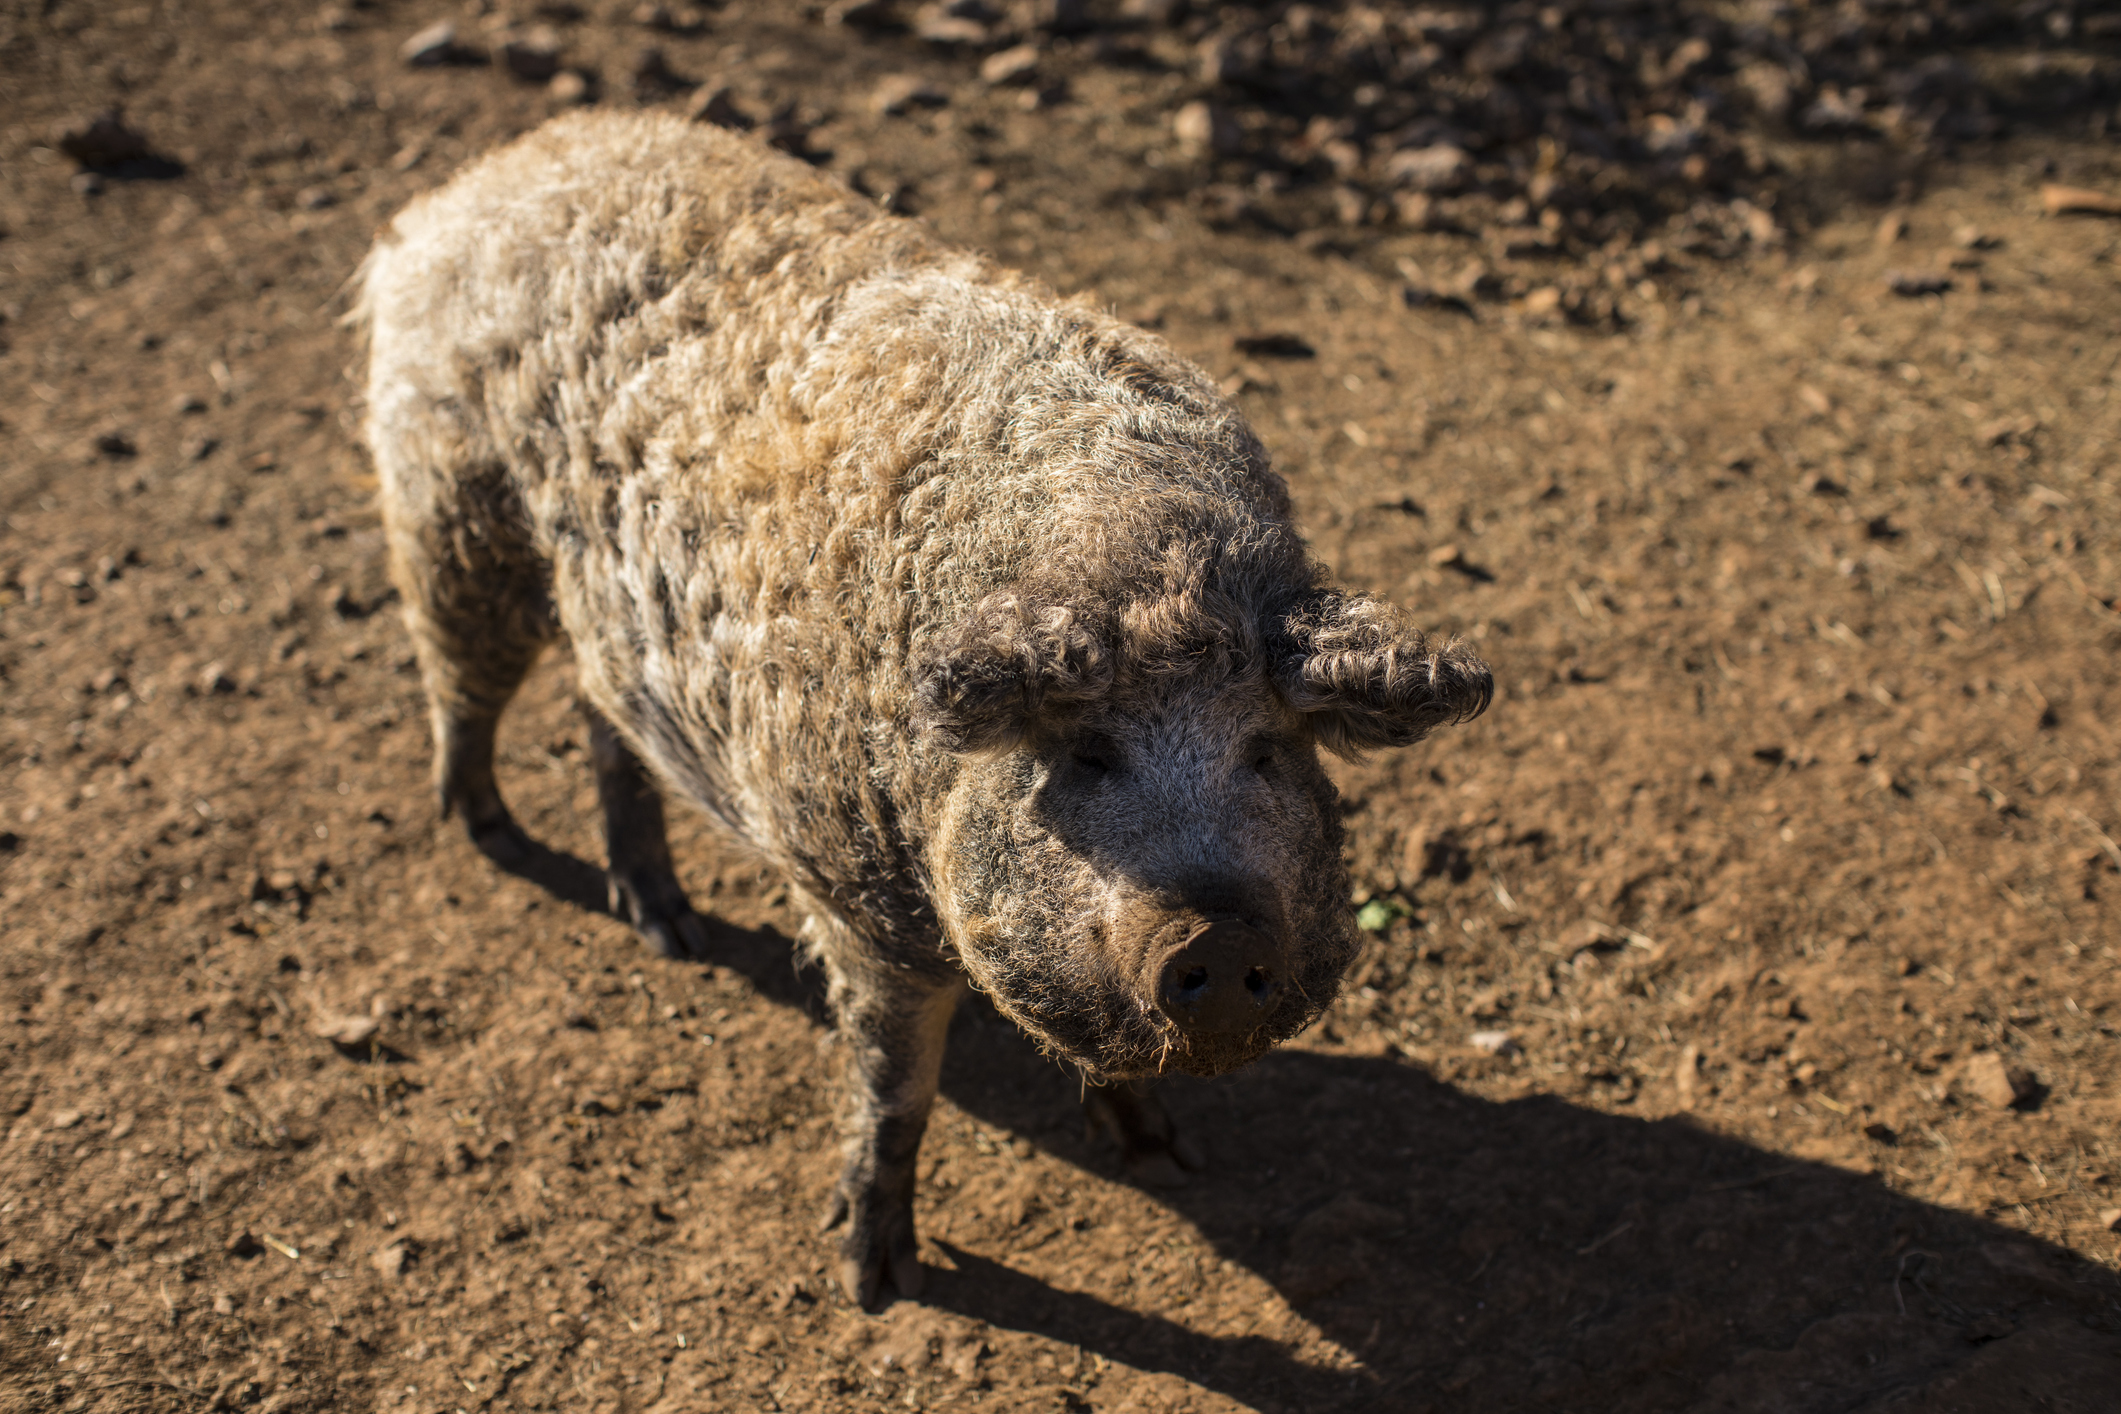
column 224, row 1304
column 390, row 1262
column 1542, row 301
column 316, row 198
column 716, row 103
column 902, row 93
column 1993, row 1081
column 104, row 139
column 952, row 30
column 1495, row 1043
column 433, row 46
column 1203, row 127
column 1881, row 1133
column 1891, row 227
column 1439, row 167
column 533, row 55
column 2110, row 1219
column 1913, row 284
column 348, row 1032
column 214, row 678
column 66, row 1119
column 1687, row 1076
column 570, row 86
column 187, row 403
column 87, row 184
column 861, row 14
column 1017, row 65
column 123, row 1125
column 1444, row 556
column 2065, row 201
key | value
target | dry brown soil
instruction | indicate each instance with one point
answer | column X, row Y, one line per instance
column 1790, row 837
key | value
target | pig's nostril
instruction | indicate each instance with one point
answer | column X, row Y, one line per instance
column 1193, row 981
column 1260, row 983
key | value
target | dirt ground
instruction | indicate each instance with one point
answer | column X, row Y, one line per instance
column 1738, row 1029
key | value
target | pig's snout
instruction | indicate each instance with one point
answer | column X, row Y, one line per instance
column 1223, row 982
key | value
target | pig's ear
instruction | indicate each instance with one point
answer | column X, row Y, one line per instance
column 980, row 691
column 1365, row 677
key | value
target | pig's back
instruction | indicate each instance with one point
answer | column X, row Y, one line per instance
column 768, row 438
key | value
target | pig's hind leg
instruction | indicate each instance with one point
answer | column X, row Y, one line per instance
column 644, row 885
column 477, row 605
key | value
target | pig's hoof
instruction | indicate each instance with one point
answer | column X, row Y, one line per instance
column 879, row 1246
column 656, row 906
column 1154, row 1153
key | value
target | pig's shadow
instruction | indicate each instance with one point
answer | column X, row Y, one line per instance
column 1484, row 1256
column 1473, row 1256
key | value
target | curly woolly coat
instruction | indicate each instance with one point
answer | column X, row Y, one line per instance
column 831, row 514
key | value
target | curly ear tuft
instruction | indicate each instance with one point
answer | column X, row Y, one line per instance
column 1367, row 678
column 1013, row 661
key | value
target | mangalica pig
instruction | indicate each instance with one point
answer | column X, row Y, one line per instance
column 977, row 613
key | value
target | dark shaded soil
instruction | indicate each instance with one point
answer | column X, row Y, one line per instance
column 1790, row 837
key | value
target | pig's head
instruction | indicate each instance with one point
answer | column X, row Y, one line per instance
column 1139, row 857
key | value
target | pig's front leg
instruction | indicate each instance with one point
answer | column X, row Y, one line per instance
column 1129, row 1114
column 893, row 1026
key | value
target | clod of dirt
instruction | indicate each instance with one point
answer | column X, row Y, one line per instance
column 1439, row 167
column 1202, row 127
column 1993, row 1081
column 571, row 86
column 1015, row 65
column 1912, row 284
column 390, row 1262
column 862, row 14
column 346, row 1032
column 102, row 140
column 1274, row 345
column 1687, row 1076
column 2082, row 201
column 66, row 1119
column 534, row 55
column 902, row 93
column 1495, row 1043
column 941, row 27
column 434, row 46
